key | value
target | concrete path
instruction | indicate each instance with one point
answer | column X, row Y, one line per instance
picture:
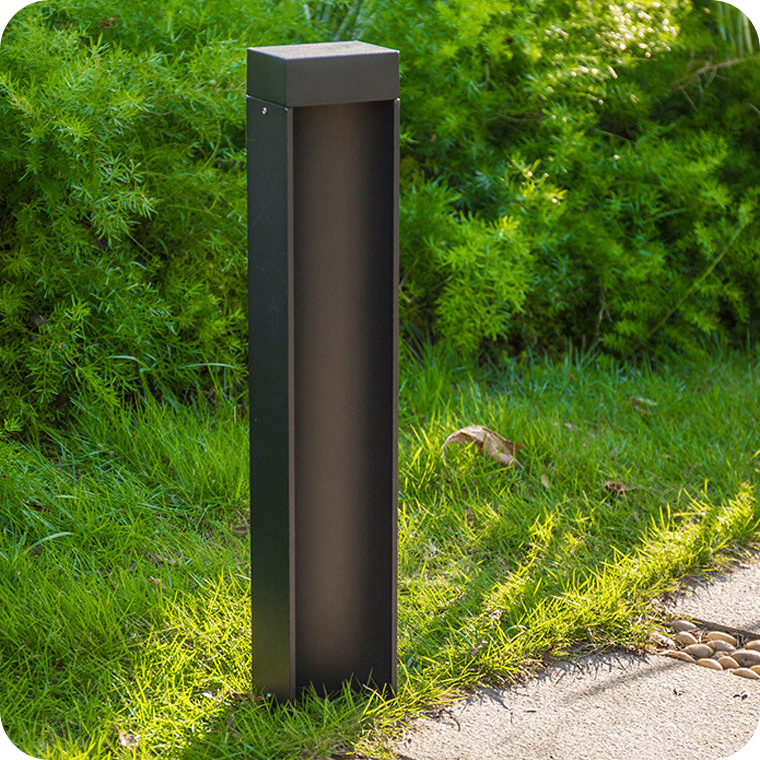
column 605, row 707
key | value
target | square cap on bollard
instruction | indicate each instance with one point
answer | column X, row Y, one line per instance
column 323, row 175
column 323, row 73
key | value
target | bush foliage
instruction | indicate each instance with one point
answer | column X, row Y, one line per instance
column 581, row 171
column 607, row 153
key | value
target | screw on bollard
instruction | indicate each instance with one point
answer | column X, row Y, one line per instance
column 322, row 137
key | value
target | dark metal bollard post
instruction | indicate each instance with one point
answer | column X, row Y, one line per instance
column 322, row 135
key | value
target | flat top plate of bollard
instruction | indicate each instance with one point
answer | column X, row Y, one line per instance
column 323, row 73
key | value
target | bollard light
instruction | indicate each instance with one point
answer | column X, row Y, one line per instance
column 322, row 138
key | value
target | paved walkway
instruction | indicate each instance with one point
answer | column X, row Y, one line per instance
column 605, row 707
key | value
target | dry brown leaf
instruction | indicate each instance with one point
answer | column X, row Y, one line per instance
column 643, row 405
column 160, row 559
column 616, row 487
column 488, row 442
column 130, row 741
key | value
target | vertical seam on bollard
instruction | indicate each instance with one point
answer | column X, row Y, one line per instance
column 395, row 385
column 291, row 409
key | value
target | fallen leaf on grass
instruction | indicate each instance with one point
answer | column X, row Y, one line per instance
column 242, row 529
column 545, row 481
column 641, row 404
column 130, row 741
column 488, row 442
column 476, row 649
column 160, row 559
column 616, row 487
column 242, row 695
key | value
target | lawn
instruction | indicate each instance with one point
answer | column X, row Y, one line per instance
column 124, row 587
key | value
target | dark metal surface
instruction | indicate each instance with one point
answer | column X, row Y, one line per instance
column 270, row 264
column 323, row 271
column 344, row 392
column 322, row 73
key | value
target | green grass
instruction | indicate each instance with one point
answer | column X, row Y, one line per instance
column 124, row 588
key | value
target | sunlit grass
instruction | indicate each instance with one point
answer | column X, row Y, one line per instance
column 124, row 586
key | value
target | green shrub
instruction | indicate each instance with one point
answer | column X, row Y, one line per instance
column 123, row 222
column 619, row 141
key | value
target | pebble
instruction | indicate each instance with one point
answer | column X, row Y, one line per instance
column 746, row 673
column 686, row 638
column 727, row 662
column 707, row 662
column 727, row 638
column 699, row 651
column 663, row 640
column 754, row 644
column 678, row 655
column 746, row 657
column 718, row 645
column 683, row 625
